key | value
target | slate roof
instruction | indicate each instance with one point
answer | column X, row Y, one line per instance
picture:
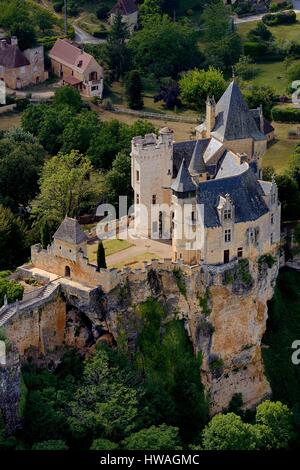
column 185, row 150
column 126, row 7
column 183, row 182
column 197, row 164
column 11, row 57
column 267, row 125
column 64, row 51
column 245, row 192
column 70, row 231
column 234, row 120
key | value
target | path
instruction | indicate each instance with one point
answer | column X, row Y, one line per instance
column 82, row 37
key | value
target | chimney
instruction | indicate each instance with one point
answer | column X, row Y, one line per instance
column 14, row 41
column 210, row 115
column 261, row 119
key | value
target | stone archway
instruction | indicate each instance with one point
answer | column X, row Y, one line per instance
column 67, row 271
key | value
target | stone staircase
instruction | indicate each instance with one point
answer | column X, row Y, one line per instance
column 36, row 299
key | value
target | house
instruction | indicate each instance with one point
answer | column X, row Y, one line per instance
column 77, row 68
column 19, row 69
column 206, row 196
column 129, row 12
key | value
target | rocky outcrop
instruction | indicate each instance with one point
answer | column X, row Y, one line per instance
column 224, row 309
column 10, row 392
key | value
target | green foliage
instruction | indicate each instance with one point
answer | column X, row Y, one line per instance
column 13, row 240
column 161, row 437
column 289, row 196
column 293, row 72
column 104, row 444
column 117, row 50
column 196, row 85
column 204, row 303
column 228, row 432
column 262, row 95
column 64, row 185
column 216, row 364
column 68, row 96
column 15, row 18
column 245, row 69
column 50, row 445
column 278, row 419
column 180, row 281
column 118, row 179
column 283, row 327
column 282, row 114
column 134, row 90
column 284, row 17
column 101, row 262
column 21, row 159
column 174, row 394
column 260, row 33
column 236, row 403
column 164, row 48
column 267, row 259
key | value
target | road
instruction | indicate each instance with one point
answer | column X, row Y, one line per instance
column 82, row 37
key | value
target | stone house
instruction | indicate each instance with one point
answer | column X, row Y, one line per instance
column 206, row 196
column 129, row 12
column 77, row 68
column 19, row 69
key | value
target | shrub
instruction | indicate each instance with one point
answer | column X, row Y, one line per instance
column 255, row 50
column 102, row 12
column 294, row 72
column 284, row 17
column 281, row 114
column 180, row 281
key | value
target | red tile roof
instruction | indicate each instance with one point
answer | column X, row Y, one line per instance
column 11, row 57
column 64, row 51
column 72, row 80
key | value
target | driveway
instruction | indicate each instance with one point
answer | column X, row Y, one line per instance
column 82, row 37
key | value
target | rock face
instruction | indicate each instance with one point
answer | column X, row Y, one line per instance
column 224, row 309
column 10, row 391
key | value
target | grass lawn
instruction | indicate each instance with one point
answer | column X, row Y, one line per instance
column 136, row 262
column 118, row 98
column 111, row 247
column 272, row 74
column 281, row 32
column 278, row 153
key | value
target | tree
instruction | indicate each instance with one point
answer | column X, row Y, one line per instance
column 15, row 18
column 20, row 165
column 278, row 419
column 118, row 179
column 79, row 131
column 216, row 21
column 11, row 289
column 294, row 72
column 196, row 85
column 103, row 444
column 68, row 96
column 164, row 48
column 228, row 432
column 289, row 196
column 50, row 445
column 134, row 90
column 101, row 262
column 64, row 186
column 104, row 403
column 43, row 20
column 47, row 229
column 169, row 93
column 244, row 68
column 117, row 51
column 260, row 33
column 161, row 437
column 260, row 95
column 13, row 240
column 148, row 8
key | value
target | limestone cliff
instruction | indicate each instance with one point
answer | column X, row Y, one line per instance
column 224, row 309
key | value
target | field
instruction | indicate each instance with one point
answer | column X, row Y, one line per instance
column 272, row 74
column 9, row 120
column 278, row 153
column 281, row 32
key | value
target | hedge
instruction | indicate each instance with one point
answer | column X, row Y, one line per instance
column 281, row 114
column 283, row 17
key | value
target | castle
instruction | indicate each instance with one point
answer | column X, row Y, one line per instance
column 207, row 195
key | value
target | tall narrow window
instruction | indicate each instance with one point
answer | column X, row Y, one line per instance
column 240, row 252
column 227, row 237
column 272, row 219
column 271, row 239
column 154, row 199
column 193, row 216
column 227, row 214
column 137, row 175
column 137, row 198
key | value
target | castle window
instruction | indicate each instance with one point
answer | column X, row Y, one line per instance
column 240, row 252
column 271, row 239
column 227, row 214
column 154, row 199
column 193, row 217
column 272, row 219
column 137, row 175
column 169, row 171
column 227, row 236
column 137, row 198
